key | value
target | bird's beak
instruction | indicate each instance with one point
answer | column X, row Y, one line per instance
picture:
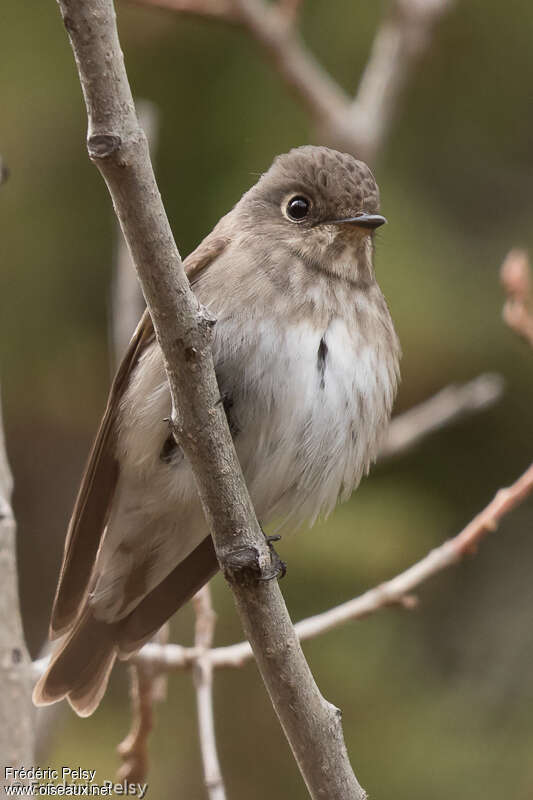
column 362, row 220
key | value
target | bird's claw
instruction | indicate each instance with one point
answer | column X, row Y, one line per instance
column 279, row 567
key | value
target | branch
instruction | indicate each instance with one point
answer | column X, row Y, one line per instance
column 396, row 591
column 212, row 9
column 449, row 405
column 16, row 710
column 127, row 299
column 203, row 682
column 359, row 124
column 515, row 275
column 117, row 145
column 400, row 42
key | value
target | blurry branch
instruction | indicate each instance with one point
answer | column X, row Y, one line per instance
column 16, row 710
column 127, row 307
column 215, row 9
column 203, row 683
column 359, row 124
column 446, row 407
column 147, row 687
column 127, row 298
column 4, row 172
column 396, row 591
column 117, row 145
column 403, row 37
column 515, row 276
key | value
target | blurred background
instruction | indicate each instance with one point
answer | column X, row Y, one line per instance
column 436, row 702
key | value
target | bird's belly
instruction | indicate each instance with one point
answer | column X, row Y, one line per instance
column 306, row 406
column 309, row 407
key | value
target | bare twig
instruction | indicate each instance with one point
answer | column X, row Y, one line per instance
column 396, row 591
column 449, row 405
column 515, row 276
column 323, row 98
column 16, row 711
column 147, row 686
column 127, row 299
column 358, row 124
column 203, row 683
column 117, row 145
column 133, row 750
column 290, row 9
column 401, row 40
column 212, row 9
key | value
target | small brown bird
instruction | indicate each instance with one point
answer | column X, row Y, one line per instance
column 306, row 358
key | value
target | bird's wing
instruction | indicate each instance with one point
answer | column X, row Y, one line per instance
column 99, row 481
column 95, row 495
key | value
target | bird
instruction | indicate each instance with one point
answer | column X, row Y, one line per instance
column 307, row 362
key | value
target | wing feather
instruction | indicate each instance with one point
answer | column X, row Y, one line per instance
column 99, row 481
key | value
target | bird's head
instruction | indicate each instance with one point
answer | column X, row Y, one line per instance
column 323, row 205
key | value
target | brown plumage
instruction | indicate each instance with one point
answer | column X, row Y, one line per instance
column 306, row 359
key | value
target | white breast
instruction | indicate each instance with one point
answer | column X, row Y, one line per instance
column 310, row 406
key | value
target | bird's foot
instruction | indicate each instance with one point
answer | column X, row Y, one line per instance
column 279, row 567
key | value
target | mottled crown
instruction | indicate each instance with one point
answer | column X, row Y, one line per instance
column 337, row 182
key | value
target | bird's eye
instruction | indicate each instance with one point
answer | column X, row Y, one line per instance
column 298, row 208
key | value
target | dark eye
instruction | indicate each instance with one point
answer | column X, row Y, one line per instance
column 298, row 208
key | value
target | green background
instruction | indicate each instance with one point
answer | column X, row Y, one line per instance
column 436, row 702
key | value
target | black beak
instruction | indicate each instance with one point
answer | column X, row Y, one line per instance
column 362, row 220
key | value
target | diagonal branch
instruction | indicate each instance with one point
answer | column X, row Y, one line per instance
column 117, row 145
column 360, row 124
column 212, row 9
column 400, row 42
column 447, row 406
column 396, row 591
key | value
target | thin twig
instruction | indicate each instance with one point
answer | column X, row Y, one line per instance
column 358, row 124
column 147, row 686
column 127, row 298
column 396, row 591
column 450, row 405
column 212, row 9
column 515, row 275
column 400, row 41
column 203, row 684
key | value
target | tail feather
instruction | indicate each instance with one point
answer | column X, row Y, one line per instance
column 81, row 667
column 174, row 591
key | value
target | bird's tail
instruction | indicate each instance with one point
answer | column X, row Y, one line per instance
column 80, row 669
